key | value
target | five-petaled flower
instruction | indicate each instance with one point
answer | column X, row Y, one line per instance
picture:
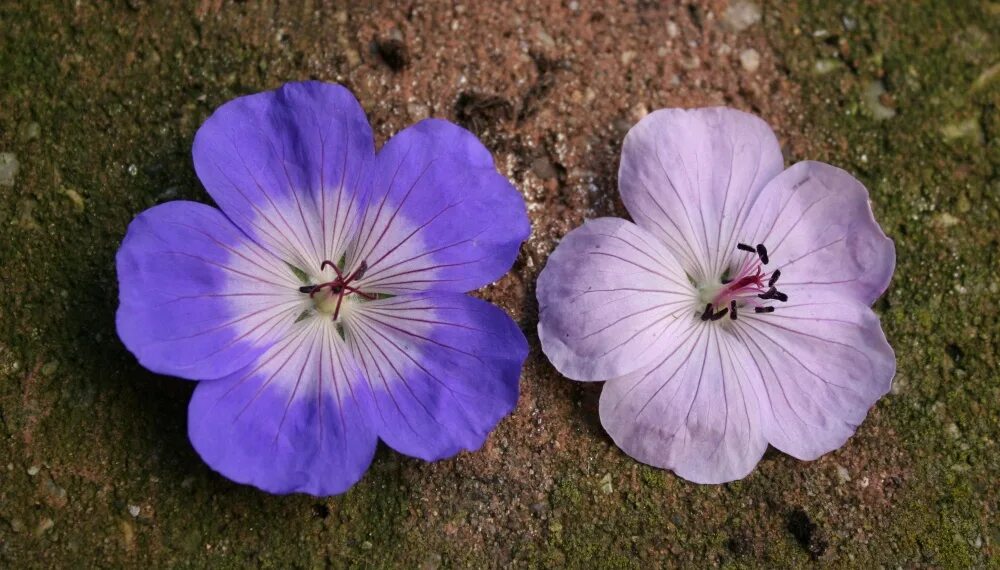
column 323, row 307
column 735, row 311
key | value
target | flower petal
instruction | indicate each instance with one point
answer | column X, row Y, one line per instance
column 444, row 368
column 295, row 422
column 695, row 411
column 610, row 298
column 197, row 298
column 824, row 362
column 286, row 167
column 689, row 177
column 819, row 229
column 439, row 217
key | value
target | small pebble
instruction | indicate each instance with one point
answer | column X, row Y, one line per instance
column 873, row 99
column 824, row 66
column 750, row 60
column 741, row 15
column 691, row 63
column 969, row 129
column 946, row 220
column 953, row 431
column 606, row 487
column 75, row 198
column 8, row 168
column 134, row 510
column 986, row 78
column 44, row 526
column 31, row 131
column 33, row 470
column 843, row 474
column 417, row 111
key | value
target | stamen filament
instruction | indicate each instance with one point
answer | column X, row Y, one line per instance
column 340, row 286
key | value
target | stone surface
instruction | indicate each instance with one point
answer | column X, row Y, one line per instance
column 118, row 90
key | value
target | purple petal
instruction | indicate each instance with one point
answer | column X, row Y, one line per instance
column 609, row 298
column 286, row 167
column 690, row 176
column 819, row 229
column 295, row 422
column 440, row 217
column 694, row 411
column 824, row 362
column 444, row 368
column 198, row 299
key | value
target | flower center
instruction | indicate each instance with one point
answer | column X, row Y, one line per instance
column 750, row 286
column 329, row 297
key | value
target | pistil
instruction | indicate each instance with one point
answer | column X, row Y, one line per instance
column 748, row 288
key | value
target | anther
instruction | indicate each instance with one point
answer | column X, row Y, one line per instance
column 359, row 272
column 720, row 314
column 769, row 294
column 762, row 252
column 708, row 312
column 779, row 296
column 746, row 247
column 763, row 309
column 307, row 288
column 774, row 278
column 732, row 309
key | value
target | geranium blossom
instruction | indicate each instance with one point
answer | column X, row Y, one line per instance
column 735, row 311
column 321, row 306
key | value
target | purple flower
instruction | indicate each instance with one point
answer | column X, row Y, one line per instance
column 322, row 306
column 735, row 311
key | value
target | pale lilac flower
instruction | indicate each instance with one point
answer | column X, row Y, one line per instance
column 735, row 311
column 322, row 306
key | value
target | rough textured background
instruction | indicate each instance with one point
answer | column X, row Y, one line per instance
column 98, row 106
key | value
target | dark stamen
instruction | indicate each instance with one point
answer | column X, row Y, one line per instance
column 359, row 272
column 720, row 314
column 763, row 309
column 708, row 312
column 762, row 252
column 769, row 294
column 732, row 309
column 306, row 288
column 746, row 247
column 779, row 296
column 774, row 278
